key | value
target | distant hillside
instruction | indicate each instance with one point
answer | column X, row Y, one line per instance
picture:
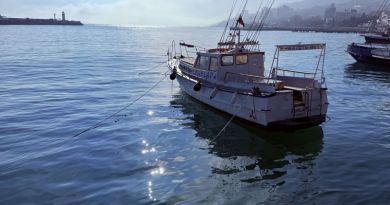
column 311, row 8
column 307, row 4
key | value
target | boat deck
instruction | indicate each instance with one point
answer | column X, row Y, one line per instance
column 190, row 61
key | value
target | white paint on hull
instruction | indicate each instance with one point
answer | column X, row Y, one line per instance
column 260, row 110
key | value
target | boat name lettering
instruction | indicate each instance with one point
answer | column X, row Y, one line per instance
column 199, row 73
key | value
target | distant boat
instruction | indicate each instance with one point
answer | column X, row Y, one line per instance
column 370, row 53
column 380, row 30
column 232, row 78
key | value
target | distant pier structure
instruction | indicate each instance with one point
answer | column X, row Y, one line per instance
column 29, row 21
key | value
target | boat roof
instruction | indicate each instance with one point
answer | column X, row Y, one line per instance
column 299, row 47
column 233, row 51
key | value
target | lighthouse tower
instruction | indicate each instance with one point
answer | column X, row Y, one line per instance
column 63, row 16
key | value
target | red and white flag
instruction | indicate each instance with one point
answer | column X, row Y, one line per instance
column 241, row 21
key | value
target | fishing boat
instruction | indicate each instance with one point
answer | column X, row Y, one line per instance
column 232, row 78
column 377, row 38
column 370, row 53
column 380, row 28
column 381, row 31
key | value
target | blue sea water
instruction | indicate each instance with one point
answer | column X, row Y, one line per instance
column 56, row 81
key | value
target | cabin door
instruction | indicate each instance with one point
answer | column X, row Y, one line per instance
column 301, row 106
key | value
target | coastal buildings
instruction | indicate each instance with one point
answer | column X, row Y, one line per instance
column 332, row 17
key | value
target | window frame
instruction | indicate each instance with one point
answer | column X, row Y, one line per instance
column 247, row 59
column 217, row 63
column 223, row 64
column 198, row 65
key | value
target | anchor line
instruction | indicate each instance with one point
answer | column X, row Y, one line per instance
column 335, row 49
column 226, row 125
column 332, row 50
column 224, row 128
column 101, row 123
column 153, row 68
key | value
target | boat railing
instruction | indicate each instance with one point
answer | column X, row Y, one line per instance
column 185, row 50
column 293, row 73
column 319, row 74
column 247, row 78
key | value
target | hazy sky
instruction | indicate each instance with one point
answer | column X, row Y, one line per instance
column 126, row 12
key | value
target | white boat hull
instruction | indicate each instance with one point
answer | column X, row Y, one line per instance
column 272, row 111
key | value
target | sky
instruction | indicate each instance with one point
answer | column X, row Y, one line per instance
column 127, row 12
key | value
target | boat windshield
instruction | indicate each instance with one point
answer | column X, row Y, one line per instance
column 227, row 60
column 241, row 59
column 203, row 62
column 213, row 64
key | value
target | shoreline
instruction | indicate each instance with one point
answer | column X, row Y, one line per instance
column 314, row 29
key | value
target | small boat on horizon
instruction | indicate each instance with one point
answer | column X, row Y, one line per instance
column 232, row 78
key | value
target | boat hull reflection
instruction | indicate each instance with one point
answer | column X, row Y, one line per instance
column 252, row 155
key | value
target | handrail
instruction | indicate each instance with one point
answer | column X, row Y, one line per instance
column 294, row 72
column 320, row 64
column 252, row 78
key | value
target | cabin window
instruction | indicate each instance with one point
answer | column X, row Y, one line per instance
column 241, row 59
column 213, row 64
column 227, row 60
column 203, row 62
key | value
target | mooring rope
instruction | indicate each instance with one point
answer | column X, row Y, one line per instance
column 227, row 124
column 151, row 69
column 224, row 128
column 101, row 123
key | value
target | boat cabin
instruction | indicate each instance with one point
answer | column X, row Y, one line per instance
column 238, row 61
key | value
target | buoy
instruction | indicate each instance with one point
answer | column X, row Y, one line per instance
column 197, row 87
column 173, row 74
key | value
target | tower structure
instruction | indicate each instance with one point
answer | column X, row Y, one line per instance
column 63, row 16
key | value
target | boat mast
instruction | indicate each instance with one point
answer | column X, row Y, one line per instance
column 250, row 40
column 229, row 41
column 382, row 8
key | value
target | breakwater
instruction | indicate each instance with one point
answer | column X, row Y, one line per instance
column 28, row 21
